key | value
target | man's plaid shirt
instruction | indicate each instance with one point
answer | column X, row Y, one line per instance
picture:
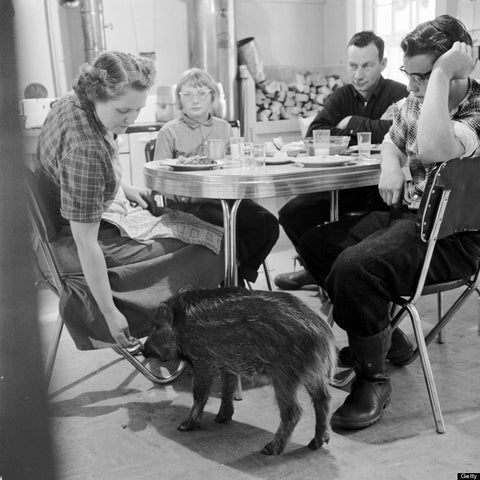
column 403, row 133
column 78, row 153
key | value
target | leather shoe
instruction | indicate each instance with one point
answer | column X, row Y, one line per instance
column 294, row 280
column 365, row 403
column 400, row 353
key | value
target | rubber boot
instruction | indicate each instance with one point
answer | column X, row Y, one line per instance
column 400, row 353
column 371, row 389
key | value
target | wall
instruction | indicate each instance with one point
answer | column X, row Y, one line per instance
column 294, row 32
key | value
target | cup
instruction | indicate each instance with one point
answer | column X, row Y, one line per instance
column 364, row 142
column 259, row 154
column 237, row 146
column 216, row 149
column 321, row 143
column 246, row 160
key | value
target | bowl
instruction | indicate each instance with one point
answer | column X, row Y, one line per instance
column 339, row 144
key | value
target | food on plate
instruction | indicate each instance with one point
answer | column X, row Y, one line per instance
column 195, row 160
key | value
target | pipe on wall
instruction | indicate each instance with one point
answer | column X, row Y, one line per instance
column 93, row 28
column 211, row 37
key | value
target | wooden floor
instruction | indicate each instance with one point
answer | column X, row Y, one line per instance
column 109, row 422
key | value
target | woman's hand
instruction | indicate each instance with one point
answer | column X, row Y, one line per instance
column 457, row 62
column 136, row 194
column 118, row 326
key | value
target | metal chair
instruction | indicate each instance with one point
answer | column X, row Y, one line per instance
column 449, row 206
column 44, row 234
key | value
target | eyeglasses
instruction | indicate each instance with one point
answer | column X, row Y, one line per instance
column 200, row 95
column 418, row 78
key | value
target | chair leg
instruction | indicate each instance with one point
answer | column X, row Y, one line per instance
column 158, row 379
column 268, row 277
column 478, row 310
column 238, row 394
column 441, row 333
column 52, row 353
column 427, row 369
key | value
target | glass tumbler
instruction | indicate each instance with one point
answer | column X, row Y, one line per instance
column 259, row 155
column 237, row 146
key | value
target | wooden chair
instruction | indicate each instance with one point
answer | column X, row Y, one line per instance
column 44, row 234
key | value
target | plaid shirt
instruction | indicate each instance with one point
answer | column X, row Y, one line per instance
column 403, row 133
column 78, row 155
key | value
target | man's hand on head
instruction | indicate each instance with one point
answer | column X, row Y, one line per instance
column 457, row 62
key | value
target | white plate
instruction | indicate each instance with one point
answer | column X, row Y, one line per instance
column 375, row 148
column 278, row 160
column 189, row 168
column 330, row 161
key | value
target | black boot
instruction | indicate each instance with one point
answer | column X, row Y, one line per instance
column 400, row 353
column 371, row 389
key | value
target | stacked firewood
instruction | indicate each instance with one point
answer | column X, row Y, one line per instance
column 279, row 100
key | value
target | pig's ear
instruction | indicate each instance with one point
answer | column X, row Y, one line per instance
column 164, row 316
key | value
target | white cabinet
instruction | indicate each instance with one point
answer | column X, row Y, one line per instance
column 137, row 142
column 124, row 158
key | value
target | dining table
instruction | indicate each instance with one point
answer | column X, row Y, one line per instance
column 230, row 184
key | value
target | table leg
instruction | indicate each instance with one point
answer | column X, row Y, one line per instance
column 333, row 205
column 230, row 209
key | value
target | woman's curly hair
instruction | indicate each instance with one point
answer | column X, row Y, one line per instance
column 435, row 37
column 111, row 74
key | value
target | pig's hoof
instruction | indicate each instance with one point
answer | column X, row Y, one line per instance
column 272, row 449
column 188, row 425
column 318, row 442
column 223, row 417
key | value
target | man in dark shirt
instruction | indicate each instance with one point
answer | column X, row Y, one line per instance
column 364, row 105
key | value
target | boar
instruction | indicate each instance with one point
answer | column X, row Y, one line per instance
column 234, row 331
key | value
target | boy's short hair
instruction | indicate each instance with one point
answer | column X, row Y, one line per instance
column 435, row 37
column 365, row 38
column 197, row 78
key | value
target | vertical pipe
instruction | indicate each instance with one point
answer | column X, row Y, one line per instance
column 211, row 37
column 93, row 28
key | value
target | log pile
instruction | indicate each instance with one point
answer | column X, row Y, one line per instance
column 279, row 100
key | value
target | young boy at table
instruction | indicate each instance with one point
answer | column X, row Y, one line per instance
column 364, row 263
column 188, row 135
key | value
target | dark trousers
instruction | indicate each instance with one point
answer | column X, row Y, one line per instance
column 307, row 211
column 257, row 231
column 364, row 262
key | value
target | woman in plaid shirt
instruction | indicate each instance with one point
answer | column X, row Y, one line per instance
column 363, row 263
column 78, row 154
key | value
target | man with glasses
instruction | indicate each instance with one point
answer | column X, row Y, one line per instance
column 364, row 263
column 364, row 105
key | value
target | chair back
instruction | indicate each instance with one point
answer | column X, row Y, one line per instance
column 459, row 178
column 150, row 150
column 40, row 205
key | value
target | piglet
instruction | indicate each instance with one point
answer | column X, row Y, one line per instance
column 234, row 331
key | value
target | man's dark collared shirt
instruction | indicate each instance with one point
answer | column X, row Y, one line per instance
column 346, row 101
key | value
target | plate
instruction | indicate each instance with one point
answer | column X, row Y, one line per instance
column 330, row 161
column 189, row 168
column 374, row 149
column 278, row 160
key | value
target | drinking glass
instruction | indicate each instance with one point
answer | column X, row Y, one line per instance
column 216, row 149
column 246, row 160
column 321, row 142
column 237, row 146
column 364, row 141
column 259, row 154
